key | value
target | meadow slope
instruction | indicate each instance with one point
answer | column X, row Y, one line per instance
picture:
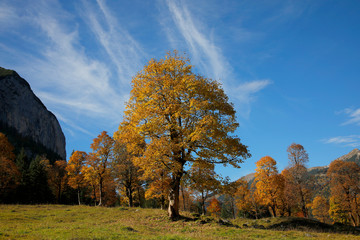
column 85, row 222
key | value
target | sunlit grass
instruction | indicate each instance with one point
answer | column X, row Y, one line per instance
column 84, row 222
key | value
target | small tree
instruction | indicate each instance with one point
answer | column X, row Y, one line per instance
column 229, row 190
column 75, row 171
column 125, row 173
column 99, row 160
column 289, row 202
column 297, row 155
column 269, row 184
column 204, row 182
column 57, row 177
column 298, row 176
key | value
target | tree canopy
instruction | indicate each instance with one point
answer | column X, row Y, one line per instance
column 182, row 117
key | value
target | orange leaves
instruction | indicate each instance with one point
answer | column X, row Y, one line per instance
column 215, row 207
column 345, row 191
column 102, row 145
column 99, row 161
column 297, row 155
column 6, row 149
column 9, row 173
column 75, row 169
column 269, row 184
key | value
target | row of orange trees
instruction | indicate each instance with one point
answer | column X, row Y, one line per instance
column 293, row 192
column 108, row 174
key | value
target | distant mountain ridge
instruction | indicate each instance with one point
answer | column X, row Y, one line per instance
column 25, row 118
column 353, row 156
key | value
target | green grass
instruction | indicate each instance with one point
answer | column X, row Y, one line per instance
column 84, row 222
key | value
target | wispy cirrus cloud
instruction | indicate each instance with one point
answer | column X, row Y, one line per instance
column 68, row 76
column 59, row 68
column 353, row 116
column 348, row 141
column 207, row 55
column 202, row 48
column 123, row 50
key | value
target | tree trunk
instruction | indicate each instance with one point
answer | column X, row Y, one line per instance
column 59, row 193
column 273, row 209
column 303, row 203
column 129, row 196
column 183, row 196
column 162, row 202
column 100, row 192
column 94, row 192
column 78, row 193
column 139, row 196
column 353, row 221
column 173, row 209
column 233, row 207
column 203, row 204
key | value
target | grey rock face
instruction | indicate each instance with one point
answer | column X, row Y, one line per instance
column 353, row 156
column 21, row 109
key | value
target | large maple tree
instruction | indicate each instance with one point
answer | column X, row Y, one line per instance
column 183, row 118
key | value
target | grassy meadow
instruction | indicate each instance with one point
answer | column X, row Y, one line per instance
column 85, row 222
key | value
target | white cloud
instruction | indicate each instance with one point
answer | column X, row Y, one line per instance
column 61, row 71
column 68, row 76
column 207, row 55
column 349, row 141
column 244, row 92
column 72, row 125
column 353, row 115
column 202, row 48
column 123, row 50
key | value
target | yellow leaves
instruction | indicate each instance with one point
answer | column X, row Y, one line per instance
column 320, row 208
column 75, row 169
column 175, row 116
column 269, row 184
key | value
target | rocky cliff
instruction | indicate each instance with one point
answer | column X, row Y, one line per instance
column 22, row 110
column 353, row 156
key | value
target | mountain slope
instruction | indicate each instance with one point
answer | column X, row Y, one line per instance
column 25, row 119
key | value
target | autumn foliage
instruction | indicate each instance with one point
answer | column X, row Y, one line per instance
column 183, row 118
column 269, row 184
column 345, row 192
column 9, row 173
column 214, row 207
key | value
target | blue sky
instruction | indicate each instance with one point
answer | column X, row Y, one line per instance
column 291, row 68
